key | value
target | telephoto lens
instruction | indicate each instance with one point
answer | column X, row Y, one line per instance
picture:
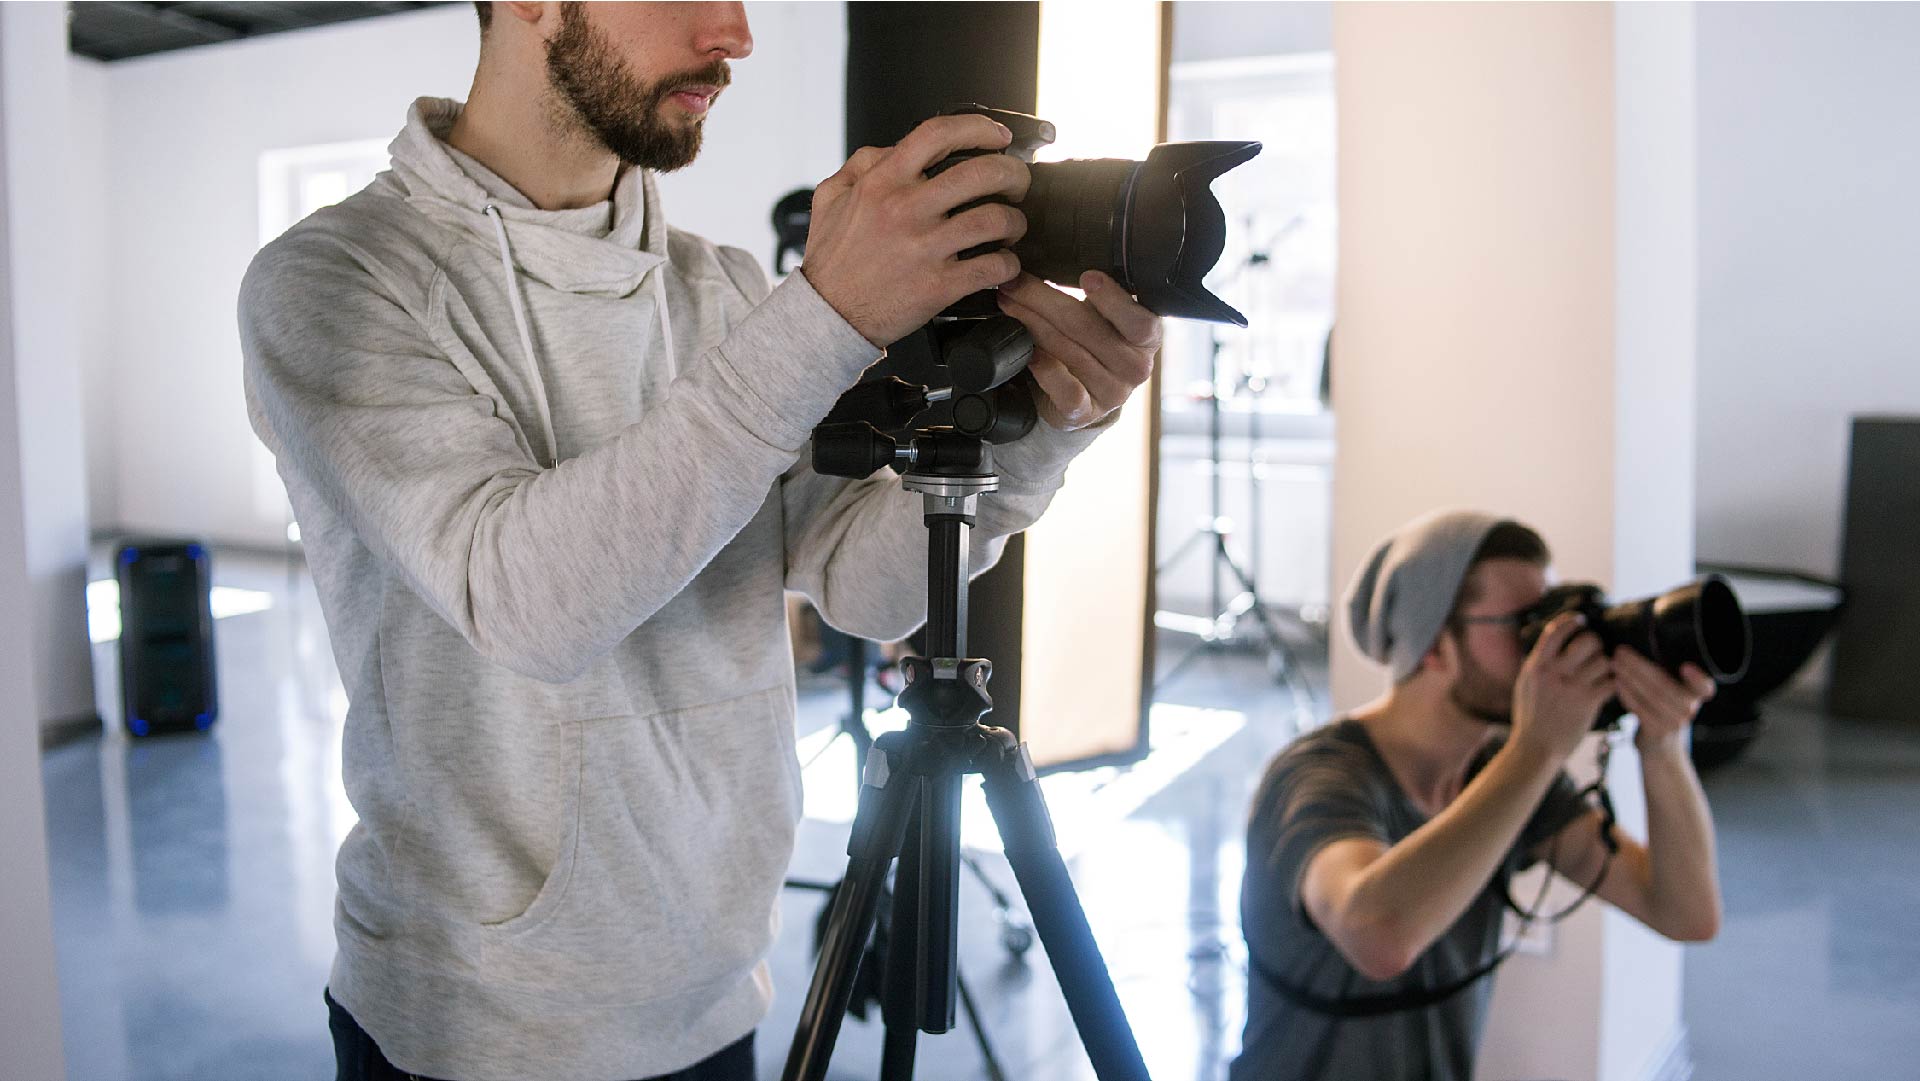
column 1154, row 226
column 1700, row 623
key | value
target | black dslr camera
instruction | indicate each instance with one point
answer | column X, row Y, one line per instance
column 1700, row 623
column 1154, row 226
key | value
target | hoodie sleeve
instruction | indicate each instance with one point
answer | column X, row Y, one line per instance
column 542, row 570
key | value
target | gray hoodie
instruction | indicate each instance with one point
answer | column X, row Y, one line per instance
column 549, row 475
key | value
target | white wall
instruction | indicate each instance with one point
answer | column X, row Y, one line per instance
column 1516, row 334
column 184, row 132
column 90, row 232
column 1809, row 259
column 29, row 995
column 53, row 449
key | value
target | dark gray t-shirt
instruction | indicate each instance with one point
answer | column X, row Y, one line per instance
column 1328, row 785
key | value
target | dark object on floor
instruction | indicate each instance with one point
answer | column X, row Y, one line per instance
column 166, row 636
column 1874, row 671
column 1790, row 615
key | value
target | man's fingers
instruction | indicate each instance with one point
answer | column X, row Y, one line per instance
column 1102, row 344
column 1652, row 690
column 934, row 139
column 976, row 178
column 1582, row 649
column 857, row 166
column 1140, row 327
column 1558, row 630
column 1698, row 681
column 1068, row 398
column 1105, row 389
column 984, row 224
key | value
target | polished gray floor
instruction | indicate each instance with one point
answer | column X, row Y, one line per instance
column 193, row 886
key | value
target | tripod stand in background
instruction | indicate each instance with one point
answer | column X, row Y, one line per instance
column 1221, row 626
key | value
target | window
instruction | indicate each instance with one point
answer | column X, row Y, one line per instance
column 1278, row 267
column 294, row 183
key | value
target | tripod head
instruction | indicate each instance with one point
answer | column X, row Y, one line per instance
column 951, row 467
column 991, row 402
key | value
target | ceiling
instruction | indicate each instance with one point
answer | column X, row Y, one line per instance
column 120, row 29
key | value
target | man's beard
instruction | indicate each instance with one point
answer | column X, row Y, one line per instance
column 620, row 110
column 1479, row 695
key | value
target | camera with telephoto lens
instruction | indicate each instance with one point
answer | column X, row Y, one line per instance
column 1700, row 623
column 1153, row 226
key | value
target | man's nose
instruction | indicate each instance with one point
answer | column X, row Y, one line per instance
column 724, row 34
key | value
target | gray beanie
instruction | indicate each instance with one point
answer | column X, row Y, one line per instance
column 1400, row 600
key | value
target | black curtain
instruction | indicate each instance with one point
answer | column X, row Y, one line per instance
column 905, row 63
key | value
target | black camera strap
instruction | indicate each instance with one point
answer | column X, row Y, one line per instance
column 1373, row 1005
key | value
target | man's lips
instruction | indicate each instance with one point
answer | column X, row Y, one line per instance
column 695, row 99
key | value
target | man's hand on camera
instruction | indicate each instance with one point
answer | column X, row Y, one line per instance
column 1088, row 355
column 880, row 246
column 1665, row 705
column 1562, row 685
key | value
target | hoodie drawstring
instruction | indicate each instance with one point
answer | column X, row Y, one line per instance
column 526, row 336
column 666, row 321
column 520, row 323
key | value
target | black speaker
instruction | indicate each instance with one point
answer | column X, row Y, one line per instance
column 166, row 637
column 1873, row 674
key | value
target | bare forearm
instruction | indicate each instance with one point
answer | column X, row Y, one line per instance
column 1683, row 885
column 1421, row 886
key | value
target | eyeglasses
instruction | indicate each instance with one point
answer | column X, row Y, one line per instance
column 1512, row 620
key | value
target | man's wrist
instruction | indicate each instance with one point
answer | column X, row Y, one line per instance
column 1677, row 742
column 1528, row 758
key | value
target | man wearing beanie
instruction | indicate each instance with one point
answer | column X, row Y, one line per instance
column 1372, row 900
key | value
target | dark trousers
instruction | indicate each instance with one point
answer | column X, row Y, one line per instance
column 359, row 1058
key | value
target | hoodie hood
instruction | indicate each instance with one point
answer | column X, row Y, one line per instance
column 596, row 250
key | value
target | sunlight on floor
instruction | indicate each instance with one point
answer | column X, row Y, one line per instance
column 1082, row 804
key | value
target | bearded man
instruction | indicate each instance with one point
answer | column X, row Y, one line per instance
column 1377, row 844
column 547, row 455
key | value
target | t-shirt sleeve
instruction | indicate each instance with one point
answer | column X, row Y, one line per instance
column 1309, row 801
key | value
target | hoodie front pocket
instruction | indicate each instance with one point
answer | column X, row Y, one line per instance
column 683, row 828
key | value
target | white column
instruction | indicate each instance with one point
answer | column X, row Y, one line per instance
column 47, row 364
column 29, row 993
column 1516, row 333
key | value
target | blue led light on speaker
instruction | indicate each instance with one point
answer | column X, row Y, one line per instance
column 203, row 721
column 195, row 552
column 129, row 554
column 139, row 727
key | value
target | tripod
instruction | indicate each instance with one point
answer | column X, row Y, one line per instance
column 1225, row 619
column 1015, row 934
column 910, row 806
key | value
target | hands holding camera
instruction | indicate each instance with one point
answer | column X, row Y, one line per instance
column 1568, row 678
column 883, row 249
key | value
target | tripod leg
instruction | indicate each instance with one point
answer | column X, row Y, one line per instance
column 991, row 1060
column 1261, row 615
column 878, row 830
column 1013, row 794
column 938, row 954
column 898, row 997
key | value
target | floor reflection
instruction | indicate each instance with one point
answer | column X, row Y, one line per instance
column 193, row 884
